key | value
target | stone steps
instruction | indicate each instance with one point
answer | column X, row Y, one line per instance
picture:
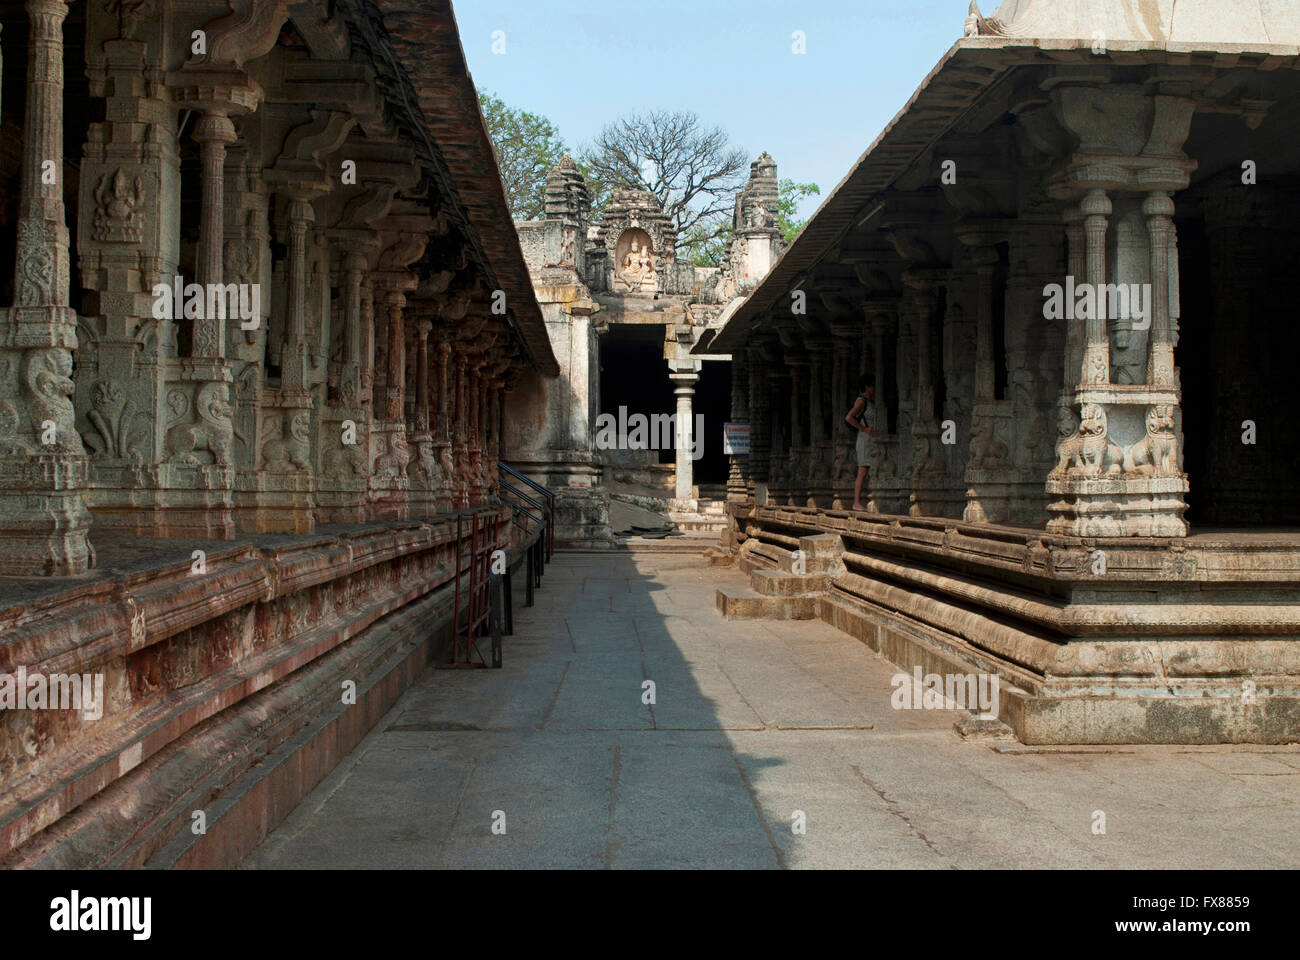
column 699, row 525
column 739, row 603
column 775, row 583
column 786, row 584
column 710, row 517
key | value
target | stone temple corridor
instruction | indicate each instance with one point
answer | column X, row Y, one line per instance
column 752, row 721
column 947, row 519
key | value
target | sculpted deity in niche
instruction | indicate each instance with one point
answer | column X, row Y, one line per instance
column 637, row 265
column 1128, row 354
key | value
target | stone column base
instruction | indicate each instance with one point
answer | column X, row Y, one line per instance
column 43, row 518
column 1004, row 496
column 340, row 501
column 932, row 495
column 1117, row 507
column 275, row 503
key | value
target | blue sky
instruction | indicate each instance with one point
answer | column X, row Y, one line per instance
column 582, row 63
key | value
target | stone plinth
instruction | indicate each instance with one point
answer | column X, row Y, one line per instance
column 1119, row 640
column 210, row 675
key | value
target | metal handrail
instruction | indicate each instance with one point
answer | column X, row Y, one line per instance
column 548, row 494
column 538, row 521
column 548, row 511
column 541, row 507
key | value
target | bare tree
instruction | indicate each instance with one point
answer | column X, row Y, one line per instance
column 692, row 169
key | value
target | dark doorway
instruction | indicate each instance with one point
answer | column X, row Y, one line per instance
column 634, row 374
column 713, row 401
column 1239, row 396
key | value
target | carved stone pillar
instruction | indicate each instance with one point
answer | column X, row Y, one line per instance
column 1096, row 348
column 1077, row 268
column 43, row 468
column 286, row 475
column 684, row 439
column 846, row 359
column 351, row 390
column 442, row 446
column 738, row 474
column 820, row 454
column 214, row 132
column 477, row 398
column 342, row 482
column 367, row 346
column 1159, row 210
column 293, row 355
column 928, row 486
column 885, row 488
column 390, row 448
column 797, row 458
column 395, row 388
column 779, row 381
column 460, row 431
column 1119, row 465
column 988, row 468
column 130, row 174
column 760, row 428
column 424, row 474
column 422, row 329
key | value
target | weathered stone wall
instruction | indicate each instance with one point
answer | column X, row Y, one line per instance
column 286, row 318
column 181, row 650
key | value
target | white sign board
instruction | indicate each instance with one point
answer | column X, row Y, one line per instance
column 735, row 439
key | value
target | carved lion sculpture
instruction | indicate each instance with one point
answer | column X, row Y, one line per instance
column 290, row 454
column 344, row 459
column 1093, row 455
column 446, row 462
column 213, row 431
column 393, row 463
column 985, row 450
column 1069, row 443
column 1156, row 454
column 426, row 471
column 49, row 377
column 883, row 461
column 299, row 442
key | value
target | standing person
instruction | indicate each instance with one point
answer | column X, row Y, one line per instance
column 862, row 418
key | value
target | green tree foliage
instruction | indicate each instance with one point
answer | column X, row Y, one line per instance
column 706, row 244
column 790, row 195
column 527, row 146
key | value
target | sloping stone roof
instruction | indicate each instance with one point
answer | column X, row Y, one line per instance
column 977, row 61
column 424, row 38
column 1157, row 21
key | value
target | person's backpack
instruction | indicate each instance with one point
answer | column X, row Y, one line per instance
column 866, row 403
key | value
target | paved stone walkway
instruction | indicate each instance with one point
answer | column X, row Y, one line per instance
column 752, row 721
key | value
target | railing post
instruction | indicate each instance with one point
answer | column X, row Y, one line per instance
column 494, row 617
column 509, row 601
column 528, row 596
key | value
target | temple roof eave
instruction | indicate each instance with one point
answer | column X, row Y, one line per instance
column 425, row 40
column 961, row 77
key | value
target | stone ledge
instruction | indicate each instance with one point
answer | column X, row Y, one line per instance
column 1048, row 560
column 160, row 685
column 1139, row 717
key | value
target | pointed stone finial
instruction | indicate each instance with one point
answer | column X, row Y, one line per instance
column 979, row 25
column 567, row 195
